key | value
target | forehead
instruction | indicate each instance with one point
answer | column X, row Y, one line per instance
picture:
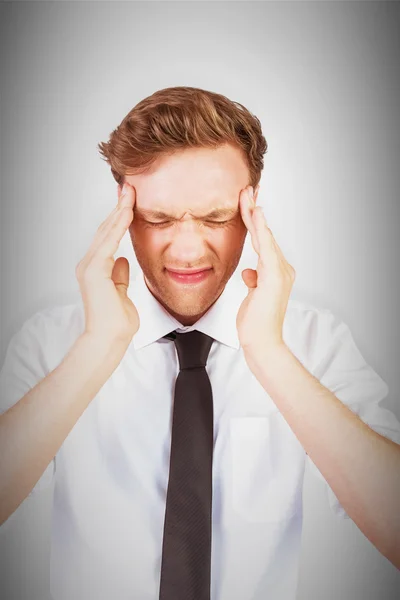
column 194, row 179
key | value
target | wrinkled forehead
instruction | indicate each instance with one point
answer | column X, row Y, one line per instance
column 192, row 180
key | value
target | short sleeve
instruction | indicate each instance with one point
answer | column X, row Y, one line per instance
column 24, row 366
column 343, row 370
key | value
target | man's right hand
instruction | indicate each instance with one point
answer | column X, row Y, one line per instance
column 110, row 316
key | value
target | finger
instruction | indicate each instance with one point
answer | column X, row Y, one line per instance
column 114, row 235
column 125, row 198
column 275, row 244
column 264, row 235
column 108, row 219
column 125, row 201
column 246, row 209
column 124, row 193
column 120, row 274
column 250, row 277
column 122, row 200
column 270, row 250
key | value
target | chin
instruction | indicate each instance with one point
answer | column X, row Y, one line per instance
column 188, row 303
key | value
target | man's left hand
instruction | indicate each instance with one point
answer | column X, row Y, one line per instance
column 261, row 315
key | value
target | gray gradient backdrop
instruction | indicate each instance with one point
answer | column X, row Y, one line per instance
column 323, row 77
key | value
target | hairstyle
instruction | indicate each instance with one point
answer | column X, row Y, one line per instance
column 176, row 118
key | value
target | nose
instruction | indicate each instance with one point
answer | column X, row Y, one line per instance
column 187, row 244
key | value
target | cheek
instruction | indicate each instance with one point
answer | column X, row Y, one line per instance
column 237, row 234
column 223, row 240
column 229, row 243
column 141, row 234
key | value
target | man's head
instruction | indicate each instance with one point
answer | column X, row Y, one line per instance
column 187, row 153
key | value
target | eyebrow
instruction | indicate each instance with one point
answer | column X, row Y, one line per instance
column 217, row 213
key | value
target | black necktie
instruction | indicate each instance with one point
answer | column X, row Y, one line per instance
column 186, row 553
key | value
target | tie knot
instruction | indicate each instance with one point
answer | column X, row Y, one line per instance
column 192, row 347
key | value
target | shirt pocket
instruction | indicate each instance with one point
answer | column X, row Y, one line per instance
column 267, row 469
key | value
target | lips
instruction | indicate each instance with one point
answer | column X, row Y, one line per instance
column 188, row 271
column 189, row 277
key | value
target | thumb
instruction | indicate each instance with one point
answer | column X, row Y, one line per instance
column 250, row 277
column 120, row 275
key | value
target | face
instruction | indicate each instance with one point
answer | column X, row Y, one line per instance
column 176, row 226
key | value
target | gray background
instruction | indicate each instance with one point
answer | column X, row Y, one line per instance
column 323, row 78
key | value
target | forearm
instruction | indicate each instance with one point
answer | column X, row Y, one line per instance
column 33, row 429
column 361, row 466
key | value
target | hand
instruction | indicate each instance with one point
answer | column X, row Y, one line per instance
column 261, row 315
column 110, row 315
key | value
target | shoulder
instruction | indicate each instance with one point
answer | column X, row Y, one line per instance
column 63, row 318
column 302, row 315
column 310, row 330
column 50, row 332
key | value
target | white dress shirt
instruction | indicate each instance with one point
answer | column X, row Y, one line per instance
column 111, row 472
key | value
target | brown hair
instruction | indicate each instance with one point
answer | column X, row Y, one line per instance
column 177, row 118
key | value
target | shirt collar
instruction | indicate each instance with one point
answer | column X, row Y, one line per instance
column 219, row 322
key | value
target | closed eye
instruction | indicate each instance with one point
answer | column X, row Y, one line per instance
column 166, row 223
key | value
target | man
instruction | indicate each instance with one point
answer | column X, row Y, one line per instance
column 154, row 447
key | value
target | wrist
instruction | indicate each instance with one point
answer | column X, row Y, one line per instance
column 268, row 360
column 102, row 349
column 266, row 352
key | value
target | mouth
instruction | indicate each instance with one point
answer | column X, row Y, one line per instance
column 189, row 276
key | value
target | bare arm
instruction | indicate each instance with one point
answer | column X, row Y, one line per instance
column 32, row 431
column 361, row 466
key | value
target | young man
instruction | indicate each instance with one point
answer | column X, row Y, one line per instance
column 177, row 410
